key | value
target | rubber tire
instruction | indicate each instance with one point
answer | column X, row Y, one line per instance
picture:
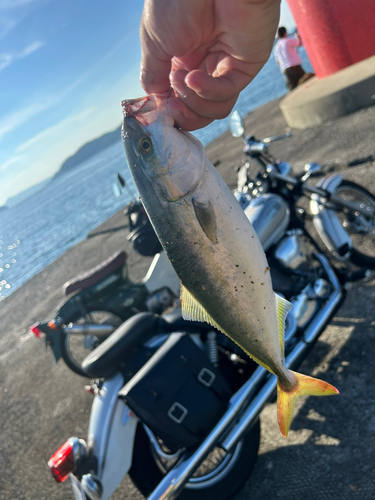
column 146, row 475
column 356, row 256
column 68, row 359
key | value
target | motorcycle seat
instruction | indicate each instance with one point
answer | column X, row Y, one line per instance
column 118, row 348
column 113, row 354
column 96, row 274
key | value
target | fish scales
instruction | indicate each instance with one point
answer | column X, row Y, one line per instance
column 207, row 237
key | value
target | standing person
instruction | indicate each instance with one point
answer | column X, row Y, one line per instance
column 207, row 50
column 287, row 58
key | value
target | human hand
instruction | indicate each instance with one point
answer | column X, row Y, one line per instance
column 207, row 50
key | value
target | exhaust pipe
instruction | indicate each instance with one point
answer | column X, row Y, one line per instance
column 89, row 329
column 172, row 484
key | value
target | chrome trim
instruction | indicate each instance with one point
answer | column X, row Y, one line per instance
column 79, row 447
column 270, row 216
column 291, row 251
column 172, row 484
column 326, row 221
column 157, row 447
column 89, row 328
column 92, row 486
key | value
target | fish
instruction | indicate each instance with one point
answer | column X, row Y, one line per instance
column 211, row 244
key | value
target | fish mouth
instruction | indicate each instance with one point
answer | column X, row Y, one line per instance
column 131, row 134
column 140, row 105
column 146, row 109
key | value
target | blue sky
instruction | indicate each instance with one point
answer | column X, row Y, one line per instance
column 64, row 69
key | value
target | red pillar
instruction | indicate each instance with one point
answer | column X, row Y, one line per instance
column 335, row 33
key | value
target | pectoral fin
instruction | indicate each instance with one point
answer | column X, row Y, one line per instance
column 206, row 217
column 193, row 311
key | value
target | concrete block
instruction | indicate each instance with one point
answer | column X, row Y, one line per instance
column 318, row 101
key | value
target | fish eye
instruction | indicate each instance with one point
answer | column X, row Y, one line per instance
column 145, row 145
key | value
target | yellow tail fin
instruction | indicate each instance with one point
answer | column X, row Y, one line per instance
column 286, row 399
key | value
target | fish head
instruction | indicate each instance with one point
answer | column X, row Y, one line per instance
column 171, row 160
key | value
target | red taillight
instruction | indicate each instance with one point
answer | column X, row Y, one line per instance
column 67, row 458
column 61, row 463
column 36, row 330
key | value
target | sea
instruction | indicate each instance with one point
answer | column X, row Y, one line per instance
column 38, row 230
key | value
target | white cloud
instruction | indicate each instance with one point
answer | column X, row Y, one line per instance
column 7, row 59
column 14, row 12
column 30, row 49
column 10, row 122
column 55, row 129
column 4, row 166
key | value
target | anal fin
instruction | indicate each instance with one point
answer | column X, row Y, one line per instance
column 283, row 307
column 193, row 311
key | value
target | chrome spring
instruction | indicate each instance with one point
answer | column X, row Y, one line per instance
column 211, row 348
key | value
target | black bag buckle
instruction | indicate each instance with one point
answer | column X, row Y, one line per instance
column 177, row 412
column 206, row 377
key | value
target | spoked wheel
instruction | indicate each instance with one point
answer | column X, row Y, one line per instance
column 360, row 228
column 219, row 476
column 75, row 347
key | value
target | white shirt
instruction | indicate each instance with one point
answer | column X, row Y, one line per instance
column 286, row 54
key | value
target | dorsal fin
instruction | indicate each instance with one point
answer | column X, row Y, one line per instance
column 283, row 307
column 193, row 311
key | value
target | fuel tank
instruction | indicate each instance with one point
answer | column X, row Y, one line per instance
column 269, row 215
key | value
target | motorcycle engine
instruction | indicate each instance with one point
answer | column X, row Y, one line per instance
column 297, row 274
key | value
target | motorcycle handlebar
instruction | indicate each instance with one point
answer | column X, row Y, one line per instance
column 252, row 145
column 276, row 138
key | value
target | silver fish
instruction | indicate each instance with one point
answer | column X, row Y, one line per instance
column 224, row 274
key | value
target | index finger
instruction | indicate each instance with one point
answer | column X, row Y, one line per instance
column 155, row 66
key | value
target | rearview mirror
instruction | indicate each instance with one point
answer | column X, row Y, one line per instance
column 312, row 168
column 236, row 124
column 116, row 190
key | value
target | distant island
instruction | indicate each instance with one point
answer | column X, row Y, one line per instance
column 84, row 153
column 88, row 150
column 14, row 200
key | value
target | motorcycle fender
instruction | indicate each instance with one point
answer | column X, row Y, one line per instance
column 111, row 435
column 326, row 221
column 53, row 339
column 161, row 273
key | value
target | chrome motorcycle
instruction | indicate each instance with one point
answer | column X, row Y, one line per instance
column 176, row 404
column 342, row 211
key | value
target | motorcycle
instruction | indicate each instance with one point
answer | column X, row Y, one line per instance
column 342, row 212
column 142, row 234
column 100, row 300
column 176, row 404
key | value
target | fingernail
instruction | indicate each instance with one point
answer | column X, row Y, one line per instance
column 179, row 90
column 178, row 85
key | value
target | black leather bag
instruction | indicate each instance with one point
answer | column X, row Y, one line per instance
column 178, row 393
